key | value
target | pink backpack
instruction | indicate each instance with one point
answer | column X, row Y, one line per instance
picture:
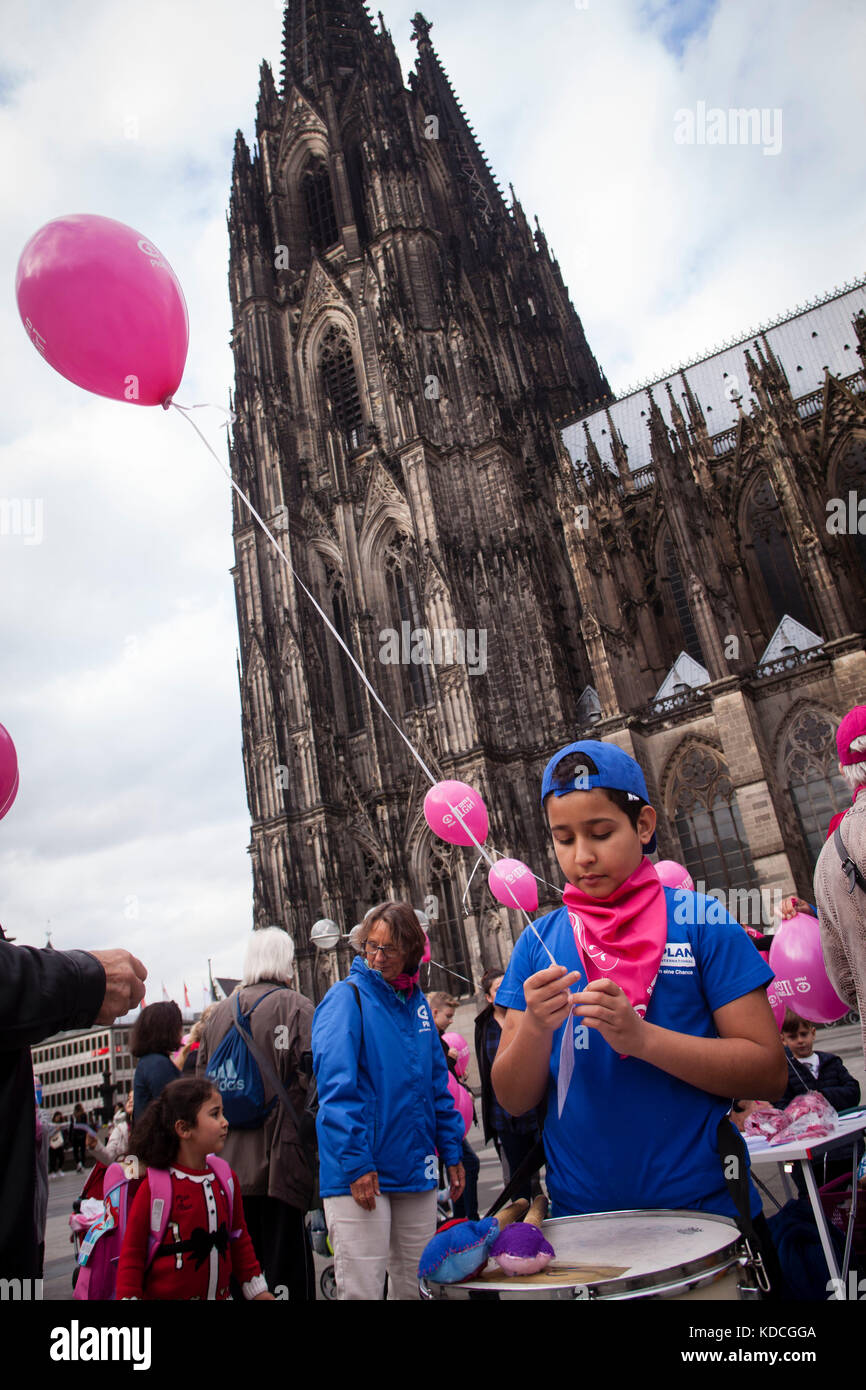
column 100, row 1249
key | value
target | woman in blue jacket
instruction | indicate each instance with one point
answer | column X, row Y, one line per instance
column 385, row 1112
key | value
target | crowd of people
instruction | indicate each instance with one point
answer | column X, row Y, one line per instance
column 589, row 1036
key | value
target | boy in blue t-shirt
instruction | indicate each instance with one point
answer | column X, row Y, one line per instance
column 638, row 1086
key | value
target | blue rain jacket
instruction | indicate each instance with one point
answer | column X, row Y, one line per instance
column 384, row 1105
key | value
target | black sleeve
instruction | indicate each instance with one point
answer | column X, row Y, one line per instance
column 836, row 1082
column 44, row 991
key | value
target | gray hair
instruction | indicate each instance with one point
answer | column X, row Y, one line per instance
column 270, row 956
column 855, row 773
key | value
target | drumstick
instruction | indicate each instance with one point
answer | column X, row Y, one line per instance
column 514, row 1212
column 537, row 1212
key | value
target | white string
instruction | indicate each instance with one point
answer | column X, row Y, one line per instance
column 330, row 626
column 471, row 876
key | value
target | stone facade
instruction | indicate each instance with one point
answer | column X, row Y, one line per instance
column 407, row 359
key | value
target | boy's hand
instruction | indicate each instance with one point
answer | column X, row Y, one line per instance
column 603, row 1005
column 456, row 1180
column 548, row 1002
column 789, row 907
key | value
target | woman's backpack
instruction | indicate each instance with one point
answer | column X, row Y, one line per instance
column 235, row 1073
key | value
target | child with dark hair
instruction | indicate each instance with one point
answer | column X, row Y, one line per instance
column 669, row 1021
column 206, row 1241
column 809, row 1070
column 156, row 1033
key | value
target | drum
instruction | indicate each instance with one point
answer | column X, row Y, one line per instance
column 625, row 1255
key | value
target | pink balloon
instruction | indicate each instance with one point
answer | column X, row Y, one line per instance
column 461, row 1046
column 513, row 884
column 796, row 957
column 104, row 308
column 440, row 805
column 462, row 1101
column 777, row 1004
column 8, row 772
column 674, row 875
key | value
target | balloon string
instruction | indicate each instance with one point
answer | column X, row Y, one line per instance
column 448, row 972
column 322, row 614
column 231, row 416
column 471, row 876
column 330, row 626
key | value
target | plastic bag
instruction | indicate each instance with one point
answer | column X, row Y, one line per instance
column 766, row 1124
column 810, row 1118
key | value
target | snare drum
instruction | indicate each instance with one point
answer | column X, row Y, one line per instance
column 625, row 1255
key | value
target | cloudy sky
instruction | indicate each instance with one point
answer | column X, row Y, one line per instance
column 118, row 680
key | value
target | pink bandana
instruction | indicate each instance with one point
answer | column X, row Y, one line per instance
column 621, row 938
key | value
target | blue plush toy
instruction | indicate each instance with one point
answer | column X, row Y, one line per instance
column 459, row 1249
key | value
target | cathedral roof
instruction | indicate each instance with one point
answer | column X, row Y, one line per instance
column 816, row 338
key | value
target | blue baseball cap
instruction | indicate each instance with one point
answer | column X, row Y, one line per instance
column 616, row 772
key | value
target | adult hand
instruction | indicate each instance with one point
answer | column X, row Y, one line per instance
column 365, row 1190
column 548, row 1002
column 789, row 907
column 124, row 984
column 91, row 1142
column 603, row 1005
column 457, row 1179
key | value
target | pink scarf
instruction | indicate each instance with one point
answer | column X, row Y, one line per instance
column 622, row 937
column 405, row 982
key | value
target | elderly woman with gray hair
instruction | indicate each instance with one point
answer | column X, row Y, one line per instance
column 271, row 1164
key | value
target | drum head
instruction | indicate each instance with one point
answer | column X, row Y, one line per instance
column 629, row 1254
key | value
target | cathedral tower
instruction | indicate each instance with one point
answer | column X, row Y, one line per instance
column 404, row 348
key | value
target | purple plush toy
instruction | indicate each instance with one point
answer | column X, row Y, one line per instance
column 521, row 1248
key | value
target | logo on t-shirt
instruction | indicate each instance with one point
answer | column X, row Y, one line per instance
column 677, row 959
column 424, row 1017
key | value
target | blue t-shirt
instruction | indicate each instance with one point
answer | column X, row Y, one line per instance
column 631, row 1136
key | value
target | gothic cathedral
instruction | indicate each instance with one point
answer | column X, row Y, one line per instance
column 408, row 368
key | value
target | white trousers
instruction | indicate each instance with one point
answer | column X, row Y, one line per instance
column 366, row 1243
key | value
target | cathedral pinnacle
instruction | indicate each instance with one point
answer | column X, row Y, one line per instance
column 420, row 28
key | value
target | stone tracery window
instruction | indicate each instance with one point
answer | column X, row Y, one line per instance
column 351, row 681
column 817, row 788
column 319, row 204
column 774, row 566
column 404, row 604
column 676, row 584
column 851, row 477
column 708, row 822
column 337, row 368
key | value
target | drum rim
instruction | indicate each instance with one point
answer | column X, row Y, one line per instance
column 693, row 1272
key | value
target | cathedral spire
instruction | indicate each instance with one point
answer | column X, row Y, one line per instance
column 322, row 40
column 456, row 133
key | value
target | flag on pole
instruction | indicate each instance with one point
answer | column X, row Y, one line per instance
column 186, row 1003
column 164, row 991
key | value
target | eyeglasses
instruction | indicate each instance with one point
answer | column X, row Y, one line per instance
column 389, row 952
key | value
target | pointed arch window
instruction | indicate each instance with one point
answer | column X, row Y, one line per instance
column 319, row 204
column 402, row 587
column 447, row 937
column 340, row 384
column 708, row 822
column 673, row 575
column 352, row 701
column 851, row 477
column 773, row 557
column 815, row 784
